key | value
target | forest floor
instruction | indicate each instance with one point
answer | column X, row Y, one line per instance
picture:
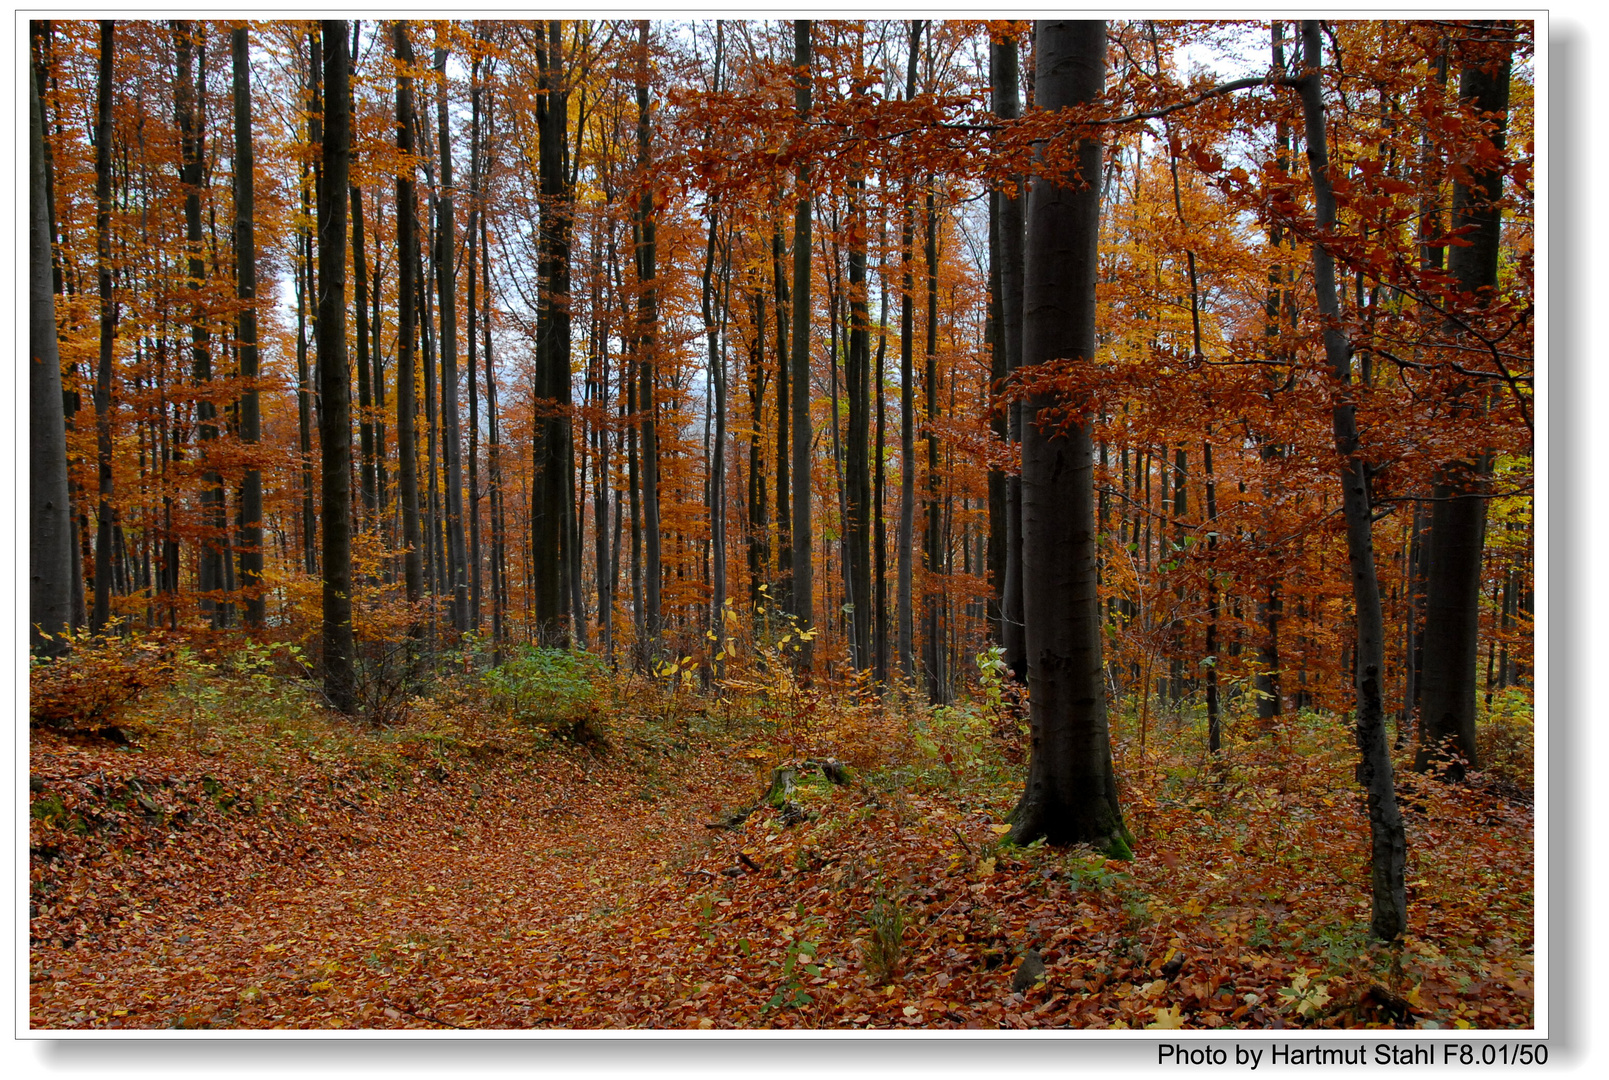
column 256, row 877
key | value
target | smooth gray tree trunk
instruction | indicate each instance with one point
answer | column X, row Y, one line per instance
column 50, row 527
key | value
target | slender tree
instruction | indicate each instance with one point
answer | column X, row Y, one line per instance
column 907, row 404
column 1012, row 237
column 447, row 291
column 647, row 343
column 407, row 320
column 1388, row 845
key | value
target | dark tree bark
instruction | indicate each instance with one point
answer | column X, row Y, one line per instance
column 1009, row 107
column 251, row 487
column 1388, row 844
column 879, row 476
column 647, row 343
column 1458, row 509
column 190, row 110
column 367, row 477
column 334, row 375
column 407, row 322
column 1071, row 793
column 472, row 315
column 304, row 299
column 108, row 328
column 553, row 512
column 933, row 546
column 857, row 479
column 802, row 593
column 758, row 547
column 713, row 299
column 784, row 415
column 494, row 459
column 907, row 406
column 50, row 527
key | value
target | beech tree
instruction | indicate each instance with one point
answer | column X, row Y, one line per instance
column 1459, row 496
column 50, row 532
column 1388, row 845
column 334, row 374
column 1071, row 792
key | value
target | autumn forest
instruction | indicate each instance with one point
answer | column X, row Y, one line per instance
column 829, row 524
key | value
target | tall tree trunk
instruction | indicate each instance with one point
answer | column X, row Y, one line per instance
column 907, row 404
column 1071, row 792
column 802, row 592
column 1388, row 845
column 1012, row 237
column 933, row 547
column 108, row 330
column 999, row 425
column 334, row 376
column 759, row 553
column 50, row 527
column 1270, row 606
column 1458, row 514
column 470, row 339
column 367, row 482
column 304, row 300
column 879, row 531
column 494, row 458
column 647, row 343
column 553, row 514
column 190, row 108
column 407, row 323
column 857, row 481
column 447, row 290
column 251, row 487
column 784, row 416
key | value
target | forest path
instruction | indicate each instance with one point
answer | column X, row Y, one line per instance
column 506, row 897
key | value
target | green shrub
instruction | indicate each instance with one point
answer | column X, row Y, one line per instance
column 551, row 690
column 1505, row 739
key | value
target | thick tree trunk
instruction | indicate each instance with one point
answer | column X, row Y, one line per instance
column 50, row 527
column 334, row 376
column 1071, row 793
column 802, row 592
column 1388, row 845
column 407, row 324
column 1458, row 514
column 251, row 487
